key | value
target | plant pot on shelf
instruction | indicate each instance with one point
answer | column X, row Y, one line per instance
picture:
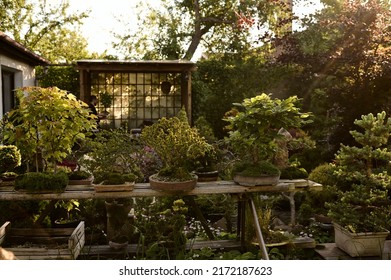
column 263, row 173
column 360, row 244
column 172, row 186
column 252, row 181
column 207, row 176
column 63, row 223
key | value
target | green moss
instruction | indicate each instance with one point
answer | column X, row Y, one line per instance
column 38, row 181
column 263, row 168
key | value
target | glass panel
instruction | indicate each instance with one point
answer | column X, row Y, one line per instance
column 132, row 78
column 140, row 78
column 137, row 96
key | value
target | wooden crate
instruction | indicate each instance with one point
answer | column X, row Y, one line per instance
column 43, row 243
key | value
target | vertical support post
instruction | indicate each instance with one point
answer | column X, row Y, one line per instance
column 258, row 231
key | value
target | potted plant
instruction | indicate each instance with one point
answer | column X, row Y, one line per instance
column 45, row 126
column 361, row 212
column 113, row 160
column 10, row 158
column 254, row 132
column 80, row 177
column 178, row 145
column 207, row 168
column 106, row 99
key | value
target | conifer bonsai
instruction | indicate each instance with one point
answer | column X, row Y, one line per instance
column 363, row 178
column 177, row 144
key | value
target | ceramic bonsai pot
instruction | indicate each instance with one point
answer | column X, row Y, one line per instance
column 360, row 244
column 174, row 186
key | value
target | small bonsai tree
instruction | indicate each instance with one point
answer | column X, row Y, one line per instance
column 10, row 158
column 255, row 124
column 106, row 99
column 363, row 179
column 177, row 144
column 113, row 151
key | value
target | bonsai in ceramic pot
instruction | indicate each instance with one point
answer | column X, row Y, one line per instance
column 363, row 205
column 45, row 126
column 254, row 127
column 10, row 158
column 113, row 153
column 178, row 145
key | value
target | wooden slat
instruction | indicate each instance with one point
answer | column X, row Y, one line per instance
column 48, row 232
column 77, row 240
column 4, row 229
column 105, row 250
column 40, row 253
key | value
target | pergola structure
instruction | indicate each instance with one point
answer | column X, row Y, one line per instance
column 142, row 91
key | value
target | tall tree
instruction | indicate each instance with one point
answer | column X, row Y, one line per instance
column 343, row 67
column 179, row 27
column 48, row 29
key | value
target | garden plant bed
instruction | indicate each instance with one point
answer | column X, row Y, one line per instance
column 43, row 243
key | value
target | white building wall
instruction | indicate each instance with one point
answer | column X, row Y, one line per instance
column 24, row 75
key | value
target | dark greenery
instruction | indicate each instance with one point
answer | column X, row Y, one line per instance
column 9, row 158
column 64, row 77
column 293, row 172
column 79, row 175
column 40, row 181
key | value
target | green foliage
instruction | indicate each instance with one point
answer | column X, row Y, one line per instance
column 160, row 225
column 47, row 123
column 218, row 26
column 63, row 77
column 106, row 99
column 340, row 76
column 38, row 181
column 177, row 144
column 113, row 151
column 50, row 30
column 293, row 172
column 79, row 175
column 262, row 168
column 365, row 206
column 9, row 158
column 113, row 178
column 255, row 124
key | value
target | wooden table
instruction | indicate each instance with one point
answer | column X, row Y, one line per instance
column 244, row 195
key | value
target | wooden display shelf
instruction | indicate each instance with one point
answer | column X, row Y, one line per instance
column 144, row 190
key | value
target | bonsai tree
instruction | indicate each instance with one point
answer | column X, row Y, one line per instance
column 10, row 158
column 106, row 100
column 47, row 124
column 363, row 178
column 177, row 144
column 113, row 152
column 254, row 127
